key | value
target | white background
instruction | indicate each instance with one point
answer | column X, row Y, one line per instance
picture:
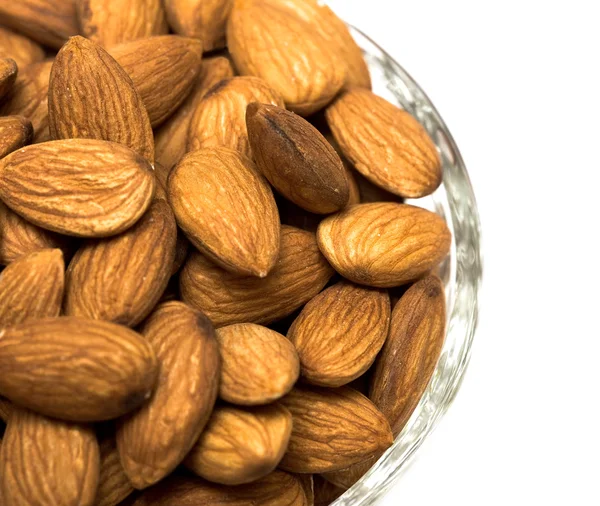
column 518, row 84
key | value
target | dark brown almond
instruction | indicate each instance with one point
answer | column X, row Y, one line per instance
column 8, row 76
column 307, row 482
column 325, row 492
column 19, row 47
column 15, row 132
column 113, row 484
column 5, row 409
column 345, row 478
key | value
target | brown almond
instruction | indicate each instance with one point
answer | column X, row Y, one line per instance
column 163, row 71
column 8, row 76
column 385, row 143
column 294, row 216
column 299, row 274
column 5, row 409
column 32, row 287
column 417, row 334
column 84, row 78
column 121, row 278
column 339, row 333
column 76, row 369
column 345, row 478
column 348, row 429
column 296, row 159
column 113, row 484
column 220, row 117
column 259, row 364
column 15, row 132
column 109, row 22
column 170, row 140
column 155, row 439
column 353, row 188
column 369, row 192
column 80, row 187
column 307, row 482
column 226, row 209
column 384, row 244
column 293, row 58
column 325, row 492
column 19, row 47
column 47, row 461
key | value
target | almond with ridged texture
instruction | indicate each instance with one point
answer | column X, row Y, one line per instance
column 201, row 19
column 155, row 439
column 259, row 364
column 300, row 273
column 32, row 287
column 80, row 187
column 5, row 409
column 384, row 244
column 15, row 132
column 226, row 209
column 19, row 47
column 8, row 76
column 76, row 369
column 113, row 484
column 385, row 144
column 408, row 359
column 241, row 445
column 339, row 333
column 163, row 70
column 306, row 480
column 296, row 159
column 109, row 22
column 45, row 461
column 170, row 140
column 332, row 429
column 220, row 117
column 139, row 260
column 345, row 478
column 287, row 52
column 86, row 78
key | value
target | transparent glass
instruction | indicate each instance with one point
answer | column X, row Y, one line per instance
column 461, row 273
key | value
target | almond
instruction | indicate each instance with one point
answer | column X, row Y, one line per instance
column 15, row 132
column 8, row 76
column 353, row 188
column 20, row 48
column 121, row 278
column 156, row 438
column 5, row 409
column 369, row 192
column 109, row 22
column 345, row 478
column 46, row 461
column 113, row 484
column 170, row 139
column 299, row 274
column 325, row 492
column 241, row 445
column 226, row 209
column 202, row 19
column 417, row 334
column 296, row 159
column 76, row 369
column 48, row 22
column 259, row 364
column 385, row 144
column 163, row 71
column 80, row 187
column 384, row 244
column 332, row 429
column 339, row 333
column 32, row 287
column 287, row 52
column 86, row 78
column 220, row 117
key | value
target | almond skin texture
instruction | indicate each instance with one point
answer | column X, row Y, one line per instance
column 15, row 132
column 296, row 159
column 325, row 492
column 332, row 429
column 384, row 244
column 339, row 333
column 163, row 70
column 220, row 117
column 5, row 409
column 241, row 445
column 109, row 22
column 170, row 139
column 76, row 369
column 20, row 48
column 121, row 278
column 385, row 144
column 32, row 287
column 259, row 364
column 299, row 274
column 285, row 51
column 409, row 356
column 80, row 187
column 8, row 75
column 345, row 478
column 227, row 210
column 86, row 78
column 156, row 438
column 48, row 462
column 113, row 483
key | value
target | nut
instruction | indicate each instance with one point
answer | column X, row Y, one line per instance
column 15, row 132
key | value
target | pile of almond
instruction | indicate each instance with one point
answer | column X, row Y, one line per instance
column 213, row 292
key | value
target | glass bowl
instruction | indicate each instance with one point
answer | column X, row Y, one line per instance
column 461, row 273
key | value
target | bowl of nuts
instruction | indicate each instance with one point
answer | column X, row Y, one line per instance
column 241, row 259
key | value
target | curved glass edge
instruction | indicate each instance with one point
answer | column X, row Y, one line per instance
column 461, row 273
